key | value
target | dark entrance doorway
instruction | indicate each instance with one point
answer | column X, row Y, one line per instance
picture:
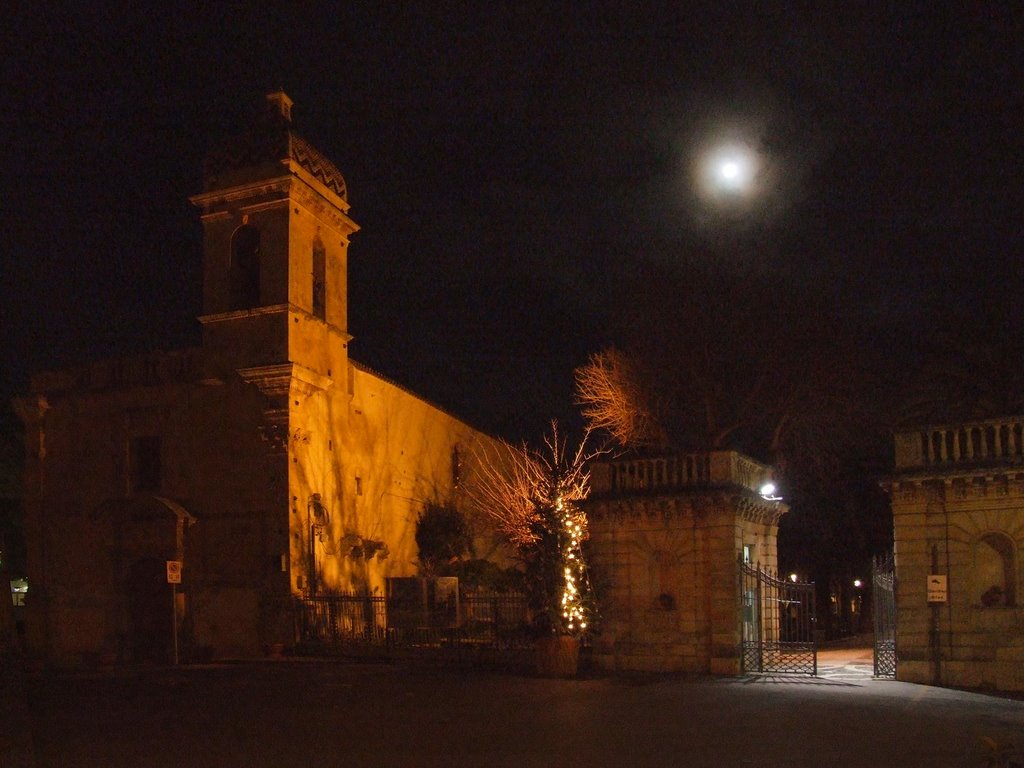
column 778, row 623
column 149, row 612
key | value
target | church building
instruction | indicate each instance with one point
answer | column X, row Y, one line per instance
column 263, row 465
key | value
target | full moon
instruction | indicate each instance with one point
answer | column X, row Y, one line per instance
column 729, row 171
column 739, row 167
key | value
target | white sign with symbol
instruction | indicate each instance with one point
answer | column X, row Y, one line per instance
column 937, row 588
column 174, row 571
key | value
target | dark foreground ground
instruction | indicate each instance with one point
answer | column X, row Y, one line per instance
column 322, row 713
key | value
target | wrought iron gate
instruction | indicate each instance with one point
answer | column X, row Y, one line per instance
column 883, row 598
column 777, row 623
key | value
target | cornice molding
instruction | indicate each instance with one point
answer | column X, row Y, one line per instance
column 285, row 379
column 218, row 198
column 236, row 314
column 754, row 509
column 990, row 485
column 266, row 194
column 317, row 200
column 684, row 506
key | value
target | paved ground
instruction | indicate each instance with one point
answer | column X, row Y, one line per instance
column 301, row 713
column 852, row 665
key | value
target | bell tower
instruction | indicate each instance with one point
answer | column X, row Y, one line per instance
column 276, row 231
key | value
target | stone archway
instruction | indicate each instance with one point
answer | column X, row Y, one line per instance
column 150, row 532
column 994, row 578
column 150, row 620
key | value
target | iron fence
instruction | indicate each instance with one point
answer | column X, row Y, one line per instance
column 498, row 621
column 777, row 623
column 342, row 619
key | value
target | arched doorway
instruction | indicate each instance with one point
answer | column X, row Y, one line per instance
column 150, row 620
column 151, row 531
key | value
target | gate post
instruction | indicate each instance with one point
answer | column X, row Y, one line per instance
column 759, row 619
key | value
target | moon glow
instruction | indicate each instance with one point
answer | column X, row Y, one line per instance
column 729, row 171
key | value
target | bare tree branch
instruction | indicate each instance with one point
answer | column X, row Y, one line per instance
column 533, row 496
column 613, row 398
column 501, row 485
column 512, row 484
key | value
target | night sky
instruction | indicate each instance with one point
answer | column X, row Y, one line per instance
column 511, row 166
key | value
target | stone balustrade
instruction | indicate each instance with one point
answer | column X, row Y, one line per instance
column 991, row 442
column 675, row 472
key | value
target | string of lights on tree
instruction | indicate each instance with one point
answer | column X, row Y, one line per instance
column 572, row 535
column 534, row 497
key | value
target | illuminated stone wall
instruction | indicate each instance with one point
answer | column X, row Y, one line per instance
column 89, row 524
column 266, row 460
column 376, row 459
column 958, row 511
column 665, row 567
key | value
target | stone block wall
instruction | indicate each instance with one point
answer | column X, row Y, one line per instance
column 966, row 524
column 667, row 577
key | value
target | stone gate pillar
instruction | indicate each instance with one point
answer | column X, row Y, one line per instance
column 666, row 534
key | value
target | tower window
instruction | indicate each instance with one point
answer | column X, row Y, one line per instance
column 245, row 268
column 319, row 280
column 144, row 464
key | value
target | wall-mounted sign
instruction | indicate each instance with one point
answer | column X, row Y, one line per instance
column 938, row 590
column 174, row 571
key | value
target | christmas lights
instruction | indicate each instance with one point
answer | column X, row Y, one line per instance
column 534, row 496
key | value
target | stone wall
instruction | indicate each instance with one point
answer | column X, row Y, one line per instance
column 296, row 469
column 373, row 453
column 958, row 512
column 665, row 566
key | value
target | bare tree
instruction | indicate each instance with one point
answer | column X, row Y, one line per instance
column 513, row 484
column 533, row 496
column 734, row 362
column 973, row 374
column 614, row 396
column 500, row 485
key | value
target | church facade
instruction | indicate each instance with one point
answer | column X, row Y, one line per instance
column 265, row 461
